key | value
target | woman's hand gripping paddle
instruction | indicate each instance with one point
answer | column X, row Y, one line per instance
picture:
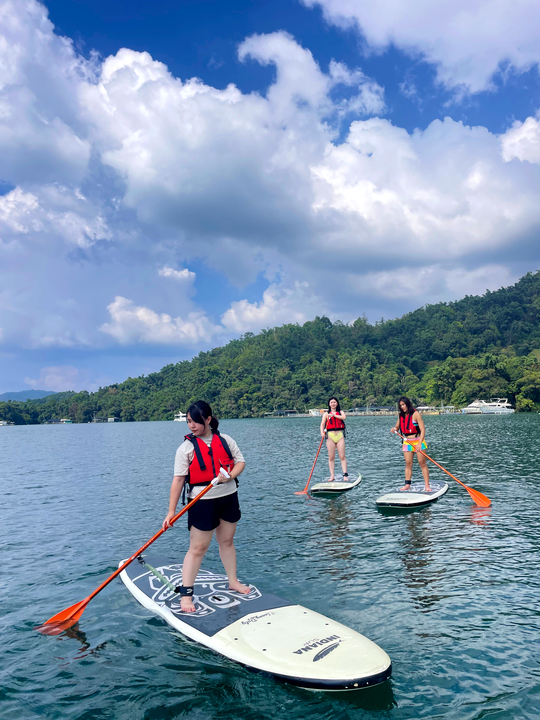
column 68, row 617
column 478, row 498
column 305, row 490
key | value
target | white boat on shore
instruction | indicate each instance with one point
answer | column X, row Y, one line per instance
column 180, row 417
column 496, row 406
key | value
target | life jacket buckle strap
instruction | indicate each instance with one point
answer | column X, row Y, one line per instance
column 218, row 449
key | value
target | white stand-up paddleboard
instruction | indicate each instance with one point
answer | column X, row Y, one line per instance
column 415, row 497
column 258, row 630
column 338, row 485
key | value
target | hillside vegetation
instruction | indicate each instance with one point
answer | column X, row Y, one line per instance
column 481, row 346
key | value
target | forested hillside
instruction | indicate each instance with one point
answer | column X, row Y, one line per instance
column 481, row 346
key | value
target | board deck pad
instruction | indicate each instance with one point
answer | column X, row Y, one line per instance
column 338, row 485
column 259, row 630
column 414, row 497
column 217, row 607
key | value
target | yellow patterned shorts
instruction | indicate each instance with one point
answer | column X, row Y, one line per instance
column 408, row 445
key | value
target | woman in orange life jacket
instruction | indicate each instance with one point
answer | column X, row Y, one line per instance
column 333, row 426
column 199, row 460
column 411, row 425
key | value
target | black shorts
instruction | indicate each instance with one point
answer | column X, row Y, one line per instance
column 206, row 514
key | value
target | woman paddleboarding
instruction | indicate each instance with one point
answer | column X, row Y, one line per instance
column 333, row 426
column 411, row 425
column 204, row 455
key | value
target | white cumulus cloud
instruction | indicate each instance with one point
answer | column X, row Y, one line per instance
column 435, row 195
column 522, row 141
column 467, row 40
column 279, row 305
column 41, row 136
column 50, row 212
column 18, row 212
column 183, row 276
column 135, row 324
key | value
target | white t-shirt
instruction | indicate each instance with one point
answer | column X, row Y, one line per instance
column 184, row 457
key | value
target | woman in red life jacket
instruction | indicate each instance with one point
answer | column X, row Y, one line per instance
column 333, row 426
column 198, row 461
column 411, row 425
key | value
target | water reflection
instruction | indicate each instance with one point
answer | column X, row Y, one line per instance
column 374, row 699
column 418, row 556
column 393, row 511
column 480, row 515
column 334, row 519
column 75, row 633
column 85, row 650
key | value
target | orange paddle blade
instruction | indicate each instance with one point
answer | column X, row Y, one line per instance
column 478, row 498
column 63, row 620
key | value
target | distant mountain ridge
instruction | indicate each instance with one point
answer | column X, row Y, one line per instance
column 24, row 395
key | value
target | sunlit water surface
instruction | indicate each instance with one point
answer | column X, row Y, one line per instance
column 451, row 592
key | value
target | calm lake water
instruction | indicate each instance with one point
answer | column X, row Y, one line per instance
column 451, row 592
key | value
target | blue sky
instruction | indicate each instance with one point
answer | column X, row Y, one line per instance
column 175, row 174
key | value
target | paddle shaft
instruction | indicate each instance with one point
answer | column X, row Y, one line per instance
column 480, row 499
column 152, row 539
column 77, row 609
column 304, row 491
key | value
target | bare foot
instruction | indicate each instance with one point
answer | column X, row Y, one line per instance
column 330, row 479
column 186, row 604
column 407, row 486
column 238, row 587
column 428, row 489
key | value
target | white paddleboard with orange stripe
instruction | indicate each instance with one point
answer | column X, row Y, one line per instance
column 260, row 631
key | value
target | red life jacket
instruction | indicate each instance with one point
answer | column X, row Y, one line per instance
column 334, row 423
column 407, row 426
column 207, row 461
